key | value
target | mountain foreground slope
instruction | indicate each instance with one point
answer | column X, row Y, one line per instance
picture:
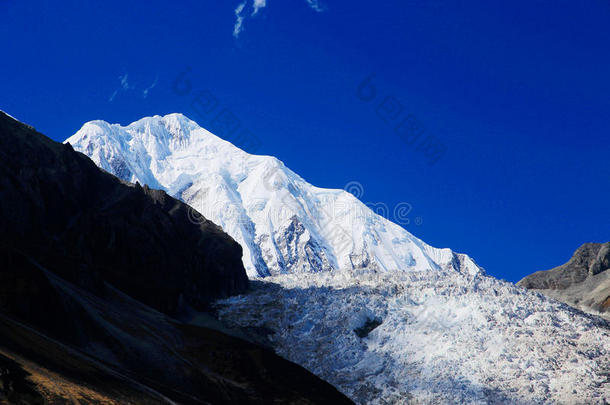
column 93, row 275
column 583, row 282
column 355, row 298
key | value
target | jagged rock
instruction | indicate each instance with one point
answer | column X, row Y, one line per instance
column 583, row 282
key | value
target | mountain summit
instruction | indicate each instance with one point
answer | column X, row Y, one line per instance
column 283, row 223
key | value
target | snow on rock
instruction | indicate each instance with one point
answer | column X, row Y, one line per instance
column 283, row 223
column 443, row 337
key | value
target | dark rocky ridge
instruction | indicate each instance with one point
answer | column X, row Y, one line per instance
column 88, row 227
column 92, row 272
column 583, row 282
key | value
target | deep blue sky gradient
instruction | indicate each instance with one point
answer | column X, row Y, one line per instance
column 518, row 92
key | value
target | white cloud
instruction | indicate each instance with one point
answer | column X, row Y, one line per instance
column 256, row 6
column 123, row 86
column 126, row 87
column 239, row 22
column 315, row 4
column 124, row 82
column 149, row 88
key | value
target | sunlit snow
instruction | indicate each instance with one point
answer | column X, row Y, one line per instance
column 355, row 298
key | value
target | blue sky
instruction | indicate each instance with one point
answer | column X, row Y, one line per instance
column 515, row 94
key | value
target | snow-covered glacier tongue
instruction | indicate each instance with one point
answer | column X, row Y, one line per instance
column 355, row 298
column 431, row 337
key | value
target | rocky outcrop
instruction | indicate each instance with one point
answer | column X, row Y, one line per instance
column 297, row 250
column 15, row 387
column 583, row 282
column 88, row 227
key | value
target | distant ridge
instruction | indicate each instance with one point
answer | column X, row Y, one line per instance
column 583, row 282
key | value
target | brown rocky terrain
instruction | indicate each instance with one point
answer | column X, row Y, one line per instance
column 583, row 282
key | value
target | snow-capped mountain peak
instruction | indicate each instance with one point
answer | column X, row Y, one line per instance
column 283, row 223
column 353, row 297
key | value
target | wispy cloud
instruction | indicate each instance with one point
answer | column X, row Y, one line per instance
column 149, row 88
column 124, row 82
column 123, row 86
column 257, row 5
column 126, row 87
column 239, row 19
column 315, row 4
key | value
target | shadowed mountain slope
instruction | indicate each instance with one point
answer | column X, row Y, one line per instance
column 86, row 226
column 94, row 272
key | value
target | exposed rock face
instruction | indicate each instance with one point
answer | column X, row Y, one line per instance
column 297, row 250
column 583, row 282
column 602, row 260
column 88, row 227
column 15, row 386
column 92, row 272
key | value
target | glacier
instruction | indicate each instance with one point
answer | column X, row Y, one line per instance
column 442, row 338
column 353, row 297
